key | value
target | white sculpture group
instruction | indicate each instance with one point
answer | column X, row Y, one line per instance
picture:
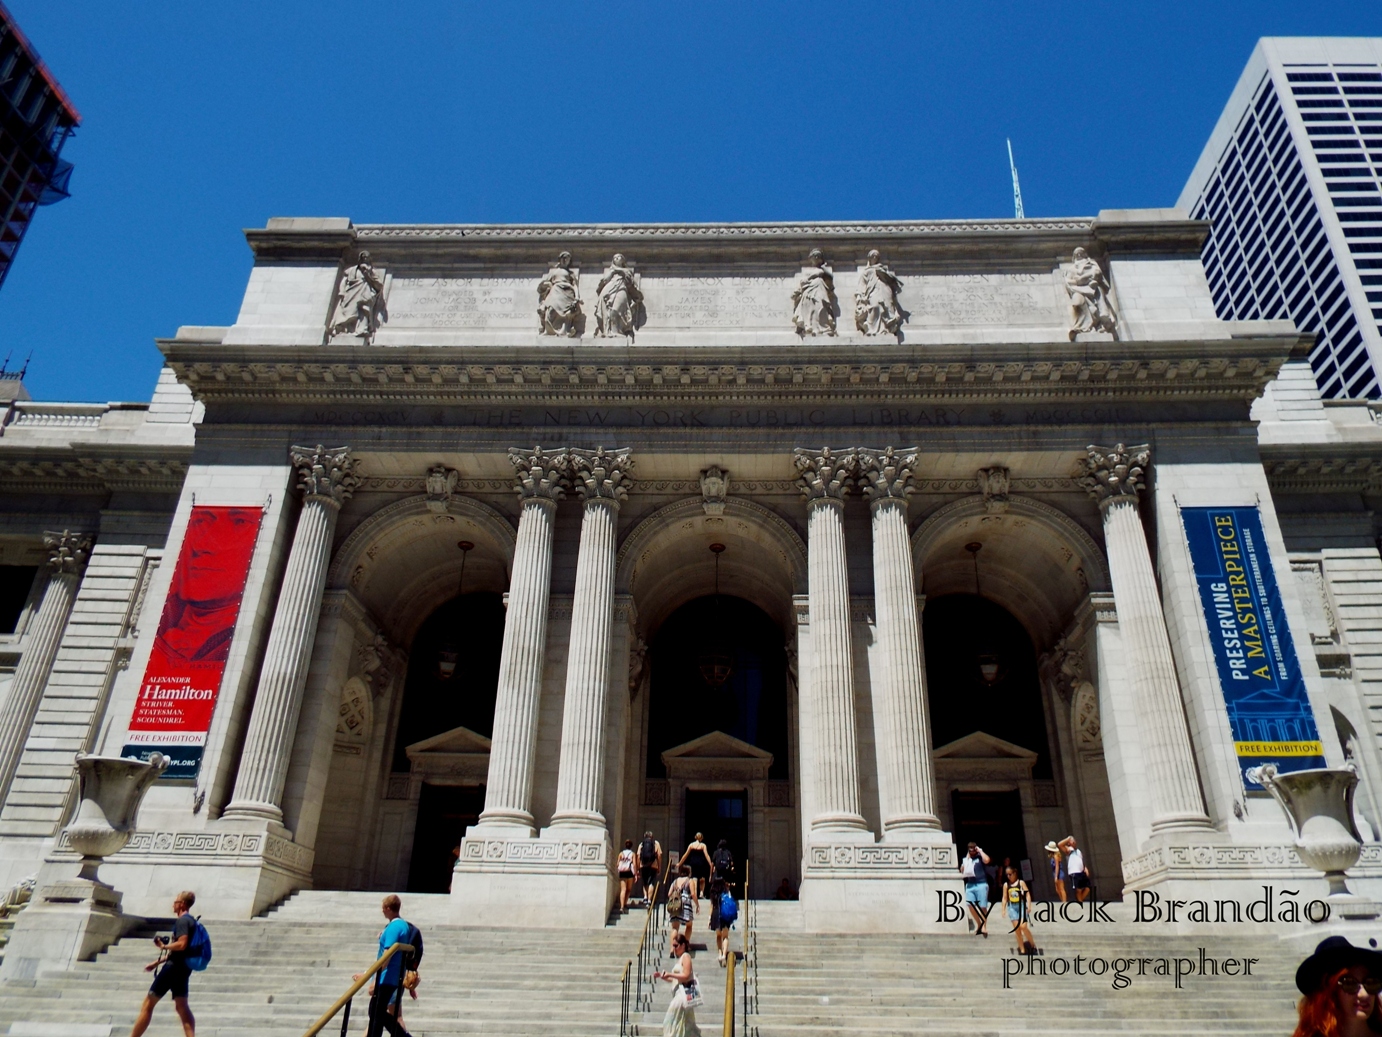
column 359, row 308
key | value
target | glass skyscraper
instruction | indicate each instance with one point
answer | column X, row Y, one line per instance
column 1291, row 180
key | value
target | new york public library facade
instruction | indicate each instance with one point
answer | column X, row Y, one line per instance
column 467, row 553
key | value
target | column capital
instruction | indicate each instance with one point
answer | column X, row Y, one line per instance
column 602, row 475
column 1115, row 473
column 325, row 473
column 823, row 475
column 886, row 475
column 541, row 474
column 67, row 551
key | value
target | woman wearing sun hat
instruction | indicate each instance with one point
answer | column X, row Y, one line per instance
column 1057, row 869
column 1340, row 983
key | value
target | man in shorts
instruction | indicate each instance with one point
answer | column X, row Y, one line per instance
column 976, row 888
column 173, row 976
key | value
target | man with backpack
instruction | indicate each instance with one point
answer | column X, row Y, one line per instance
column 649, row 866
column 398, row 975
column 186, row 951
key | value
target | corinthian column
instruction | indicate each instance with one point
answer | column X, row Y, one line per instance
column 823, row 477
column 509, row 789
column 1114, row 478
column 904, row 750
column 67, row 555
column 326, row 478
column 602, row 479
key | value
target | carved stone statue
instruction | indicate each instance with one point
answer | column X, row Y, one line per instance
column 441, row 487
column 559, row 299
column 875, row 302
column 619, row 308
column 714, row 489
column 814, row 306
column 359, row 302
column 994, row 484
column 1090, row 309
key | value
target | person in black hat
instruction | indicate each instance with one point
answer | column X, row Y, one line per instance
column 1340, row 983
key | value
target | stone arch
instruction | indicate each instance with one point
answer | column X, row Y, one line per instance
column 402, row 561
column 1037, row 562
column 665, row 560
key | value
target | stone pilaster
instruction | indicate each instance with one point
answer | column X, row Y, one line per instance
column 602, row 479
column 824, row 476
column 541, row 483
column 67, row 556
column 905, row 783
column 326, row 478
column 1114, row 477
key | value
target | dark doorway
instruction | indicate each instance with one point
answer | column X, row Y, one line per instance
column 963, row 633
column 750, row 704
column 719, row 815
column 467, row 633
column 994, row 821
column 443, row 814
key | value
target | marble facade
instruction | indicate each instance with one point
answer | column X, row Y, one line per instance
column 1053, row 389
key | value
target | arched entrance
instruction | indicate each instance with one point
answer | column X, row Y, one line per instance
column 716, row 759
column 981, row 680
column 718, row 668
column 446, row 720
column 1025, row 750
column 410, row 757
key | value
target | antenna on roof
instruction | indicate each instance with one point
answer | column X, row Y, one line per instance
column 1017, row 188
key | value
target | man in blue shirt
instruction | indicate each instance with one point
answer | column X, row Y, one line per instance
column 389, row 980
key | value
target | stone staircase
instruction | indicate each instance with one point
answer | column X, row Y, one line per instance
column 813, row 985
column 274, row 975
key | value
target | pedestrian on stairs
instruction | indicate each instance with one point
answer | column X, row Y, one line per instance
column 386, row 992
column 173, row 976
column 682, row 903
column 1076, row 868
column 649, row 867
column 626, row 875
column 680, row 1020
column 1057, row 860
column 1018, row 897
column 1341, row 983
column 972, row 870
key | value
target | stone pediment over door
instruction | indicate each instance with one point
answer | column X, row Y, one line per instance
column 456, row 757
column 983, row 757
column 717, row 757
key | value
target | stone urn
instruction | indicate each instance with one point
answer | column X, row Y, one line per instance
column 111, row 789
column 1319, row 804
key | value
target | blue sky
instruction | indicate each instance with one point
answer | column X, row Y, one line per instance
column 201, row 119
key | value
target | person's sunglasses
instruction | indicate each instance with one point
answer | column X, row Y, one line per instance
column 1350, row 984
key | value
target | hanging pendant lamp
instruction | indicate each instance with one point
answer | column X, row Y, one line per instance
column 716, row 664
column 991, row 669
column 446, row 657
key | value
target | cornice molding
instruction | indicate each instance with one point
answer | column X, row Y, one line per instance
column 1324, row 473
column 81, row 471
column 1233, row 369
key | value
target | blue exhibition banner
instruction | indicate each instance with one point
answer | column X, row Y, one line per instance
column 1264, row 692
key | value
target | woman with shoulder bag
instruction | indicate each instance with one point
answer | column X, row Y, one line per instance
column 1018, row 897
column 680, row 1020
column 681, row 901
column 626, row 875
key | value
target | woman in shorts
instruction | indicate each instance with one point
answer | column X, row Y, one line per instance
column 626, row 875
column 1018, row 899
column 682, row 903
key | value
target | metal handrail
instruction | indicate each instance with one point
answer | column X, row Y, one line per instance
column 631, row 982
column 344, row 1000
column 729, row 994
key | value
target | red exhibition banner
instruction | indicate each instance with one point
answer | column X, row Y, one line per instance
column 177, row 697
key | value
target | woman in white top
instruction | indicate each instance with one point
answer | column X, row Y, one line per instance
column 626, row 875
column 680, row 1020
